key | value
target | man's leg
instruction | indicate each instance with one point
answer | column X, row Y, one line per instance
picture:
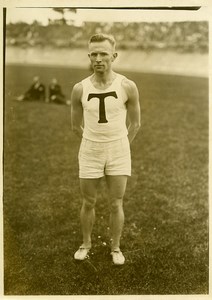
column 87, row 215
column 117, row 187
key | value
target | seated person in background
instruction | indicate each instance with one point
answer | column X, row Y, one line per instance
column 35, row 92
column 55, row 93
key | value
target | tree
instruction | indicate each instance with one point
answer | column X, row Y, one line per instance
column 62, row 11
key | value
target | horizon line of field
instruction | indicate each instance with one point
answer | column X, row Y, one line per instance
column 121, row 69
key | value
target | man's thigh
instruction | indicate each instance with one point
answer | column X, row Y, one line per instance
column 89, row 187
column 116, row 186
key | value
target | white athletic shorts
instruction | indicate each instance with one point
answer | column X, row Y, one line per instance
column 107, row 158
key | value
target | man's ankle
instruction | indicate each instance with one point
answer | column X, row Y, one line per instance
column 114, row 246
column 115, row 249
column 86, row 245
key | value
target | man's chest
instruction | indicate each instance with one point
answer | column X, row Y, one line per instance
column 103, row 105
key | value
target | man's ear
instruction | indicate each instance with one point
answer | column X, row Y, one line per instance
column 114, row 56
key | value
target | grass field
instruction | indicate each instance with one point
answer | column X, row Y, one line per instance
column 165, row 238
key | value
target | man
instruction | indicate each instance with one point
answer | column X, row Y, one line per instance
column 35, row 92
column 102, row 102
column 55, row 93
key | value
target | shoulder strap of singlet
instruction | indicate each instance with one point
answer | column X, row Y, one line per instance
column 86, row 80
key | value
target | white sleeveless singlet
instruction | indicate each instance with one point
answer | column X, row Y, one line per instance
column 104, row 111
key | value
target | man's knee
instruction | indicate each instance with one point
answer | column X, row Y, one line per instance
column 89, row 203
column 116, row 205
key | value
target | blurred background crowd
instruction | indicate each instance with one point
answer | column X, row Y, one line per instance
column 186, row 36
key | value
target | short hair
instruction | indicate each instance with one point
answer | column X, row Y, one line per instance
column 101, row 37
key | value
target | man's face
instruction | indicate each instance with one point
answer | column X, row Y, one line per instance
column 101, row 55
column 54, row 81
column 36, row 79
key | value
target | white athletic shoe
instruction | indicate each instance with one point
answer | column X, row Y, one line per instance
column 118, row 257
column 82, row 253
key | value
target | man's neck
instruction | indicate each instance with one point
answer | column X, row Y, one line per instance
column 103, row 78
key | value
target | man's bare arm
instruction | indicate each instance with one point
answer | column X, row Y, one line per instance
column 76, row 110
column 133, row 108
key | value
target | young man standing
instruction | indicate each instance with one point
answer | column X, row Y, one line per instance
column 101, row 105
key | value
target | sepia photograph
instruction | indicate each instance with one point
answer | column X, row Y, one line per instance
column 106, row 151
